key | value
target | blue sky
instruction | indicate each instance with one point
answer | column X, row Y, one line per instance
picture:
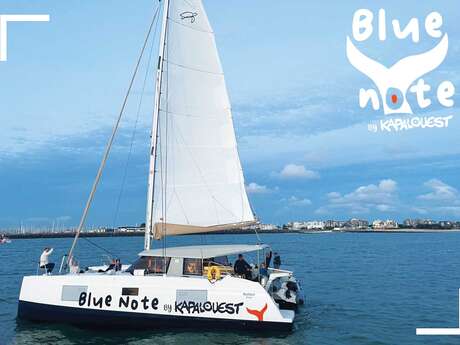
column 303, row 139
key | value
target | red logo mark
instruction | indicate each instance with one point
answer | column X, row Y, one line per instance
column 258, row 313
column 394, row 99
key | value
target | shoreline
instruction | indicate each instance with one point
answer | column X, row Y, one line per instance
column 229, row 232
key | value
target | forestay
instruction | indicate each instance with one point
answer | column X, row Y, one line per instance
column 199, row 184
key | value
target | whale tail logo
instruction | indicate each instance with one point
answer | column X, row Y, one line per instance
column 393, row 82
column 258, row 313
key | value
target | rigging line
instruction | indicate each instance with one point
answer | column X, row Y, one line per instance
column 98, row 246
column 191, row 28
column 133, row 135
column 190, row 4
column 109, row 145
column 208, row 117
column 195, row 69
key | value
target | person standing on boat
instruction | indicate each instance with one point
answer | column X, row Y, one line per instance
column 263, row 271
column 277, row 261
column 268, row 259
column 242, row 268
column 44, row 260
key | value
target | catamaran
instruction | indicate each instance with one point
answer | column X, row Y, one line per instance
column 195, row 185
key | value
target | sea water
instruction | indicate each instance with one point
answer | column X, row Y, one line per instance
column 359, row 289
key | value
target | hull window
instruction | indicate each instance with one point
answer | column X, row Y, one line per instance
column 197, row 296
column 130, row 291
column 71, row 293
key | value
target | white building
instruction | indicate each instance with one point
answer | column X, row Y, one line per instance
column 315, row 225
column 310, row 225
column 385, row 224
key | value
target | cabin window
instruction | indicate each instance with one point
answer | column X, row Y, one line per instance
column 130, row 291
column 193, row 267
column 152, row 264
column 221, row 260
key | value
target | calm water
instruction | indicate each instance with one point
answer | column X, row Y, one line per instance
column 360, row 289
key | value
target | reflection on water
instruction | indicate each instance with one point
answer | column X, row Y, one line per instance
column 359, row 288
column 29, row 333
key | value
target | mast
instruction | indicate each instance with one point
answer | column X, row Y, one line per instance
column 154, row 136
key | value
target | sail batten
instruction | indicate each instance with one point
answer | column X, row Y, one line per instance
column 199, row 184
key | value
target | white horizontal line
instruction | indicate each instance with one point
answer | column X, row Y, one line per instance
column 438, row 331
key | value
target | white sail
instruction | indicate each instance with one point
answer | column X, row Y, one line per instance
column 199, row 184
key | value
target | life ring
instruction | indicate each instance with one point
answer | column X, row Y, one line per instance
column 214, row 273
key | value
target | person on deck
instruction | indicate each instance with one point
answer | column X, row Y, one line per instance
column 277, row 261
column 242, row 268
column 268, row 259
column 117, row 265
column 44, row 260
column 110, row 267
column 263, row 270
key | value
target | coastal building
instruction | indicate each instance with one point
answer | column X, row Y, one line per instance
column 384, row 224
column 307, row 225
column 334, row 224
column 446, row 224
column 262, row 227
column 355, row 223
column 268, row 227
column 129, row 229
column 296, row 225
column 420, row 223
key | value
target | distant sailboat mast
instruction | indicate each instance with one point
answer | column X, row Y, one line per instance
column 154, row 137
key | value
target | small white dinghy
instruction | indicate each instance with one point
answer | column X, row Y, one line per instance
column 195, row 185
column 5, row 240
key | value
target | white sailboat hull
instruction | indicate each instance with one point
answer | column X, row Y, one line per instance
column 150, row 302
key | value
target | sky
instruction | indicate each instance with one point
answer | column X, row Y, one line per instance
column 304, row 141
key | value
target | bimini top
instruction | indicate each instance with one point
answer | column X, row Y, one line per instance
column 205, row 251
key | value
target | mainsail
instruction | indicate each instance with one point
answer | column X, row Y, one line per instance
column 198, row 181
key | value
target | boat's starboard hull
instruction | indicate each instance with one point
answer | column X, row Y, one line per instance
column 103, row 319
column 150, row 302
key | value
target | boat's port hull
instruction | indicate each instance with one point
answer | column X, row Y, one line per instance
column 103, row 319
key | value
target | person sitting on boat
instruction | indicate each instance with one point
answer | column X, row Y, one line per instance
column 277, row 261
column 242, row 268
column 73, row 266
column 263, row 271
column 110, row 267
column 117, row 265
column 268, row 259
column 44, row 260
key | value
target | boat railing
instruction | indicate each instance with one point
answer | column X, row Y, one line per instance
column 63, row 265
column 277, row 270
column 39, row 269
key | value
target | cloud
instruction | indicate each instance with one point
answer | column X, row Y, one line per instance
column 292, row 171
column 297, row 202
column 443, row 199
column 381, row 197
column 254, row 188
column 384, row 208
column 440, row 191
